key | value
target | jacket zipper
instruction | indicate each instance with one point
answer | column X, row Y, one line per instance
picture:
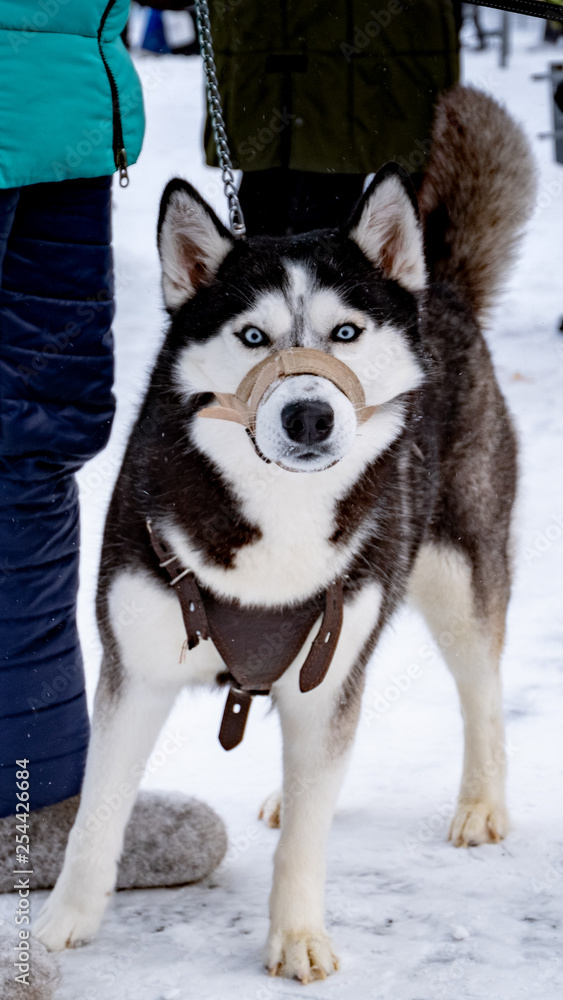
column 119, row 153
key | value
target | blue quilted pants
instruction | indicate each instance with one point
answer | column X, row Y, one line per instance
column 56, row 409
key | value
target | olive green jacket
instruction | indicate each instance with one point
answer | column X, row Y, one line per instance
column 331, row 85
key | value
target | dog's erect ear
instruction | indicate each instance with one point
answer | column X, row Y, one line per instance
column 192, row 243
column 387, row 228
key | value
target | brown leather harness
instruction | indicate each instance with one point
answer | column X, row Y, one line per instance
column 257, row 644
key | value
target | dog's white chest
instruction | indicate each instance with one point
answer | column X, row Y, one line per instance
column 297, row 515
column 292, row 559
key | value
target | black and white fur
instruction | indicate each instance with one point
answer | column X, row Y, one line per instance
column 416, row 501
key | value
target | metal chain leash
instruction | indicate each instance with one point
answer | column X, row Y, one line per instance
column 236, row 218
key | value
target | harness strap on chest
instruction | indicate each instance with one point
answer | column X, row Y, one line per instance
column 234, row 718
column 207, row 617
column 320, row 655
column 185, row 585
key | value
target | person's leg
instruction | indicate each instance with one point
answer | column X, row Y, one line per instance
column 286, row 202
column 263, row 198
column 56, row 357
column 56, row 374
column 9, row 198
column 322, row 201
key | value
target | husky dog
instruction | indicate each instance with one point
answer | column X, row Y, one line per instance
column 415, row 500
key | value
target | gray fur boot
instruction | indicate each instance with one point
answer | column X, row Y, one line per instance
column 170, row 840
column 37, row 969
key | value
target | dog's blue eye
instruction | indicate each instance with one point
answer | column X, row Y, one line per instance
column 346, row 332
column 253, row 337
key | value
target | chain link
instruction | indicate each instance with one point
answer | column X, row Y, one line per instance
column 236, row 218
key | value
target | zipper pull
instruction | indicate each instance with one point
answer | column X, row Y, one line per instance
column 121, row 164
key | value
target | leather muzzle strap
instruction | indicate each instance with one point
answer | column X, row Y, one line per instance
column 242, row 406
column 206, row 617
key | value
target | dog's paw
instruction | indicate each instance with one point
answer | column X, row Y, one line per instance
column 477, row 823
column 270, row 810
column 304, row 955
column 63, row 925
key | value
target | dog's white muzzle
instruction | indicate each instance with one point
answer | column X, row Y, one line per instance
column 305, row 423
column 301, row 408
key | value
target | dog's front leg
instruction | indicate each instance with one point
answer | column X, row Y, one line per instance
column 298, row 945
column 124, row 728
column 318, row 728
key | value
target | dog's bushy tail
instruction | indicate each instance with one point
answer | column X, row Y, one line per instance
column 477, row 193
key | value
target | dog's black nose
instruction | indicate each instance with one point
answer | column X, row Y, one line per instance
column 307, row 422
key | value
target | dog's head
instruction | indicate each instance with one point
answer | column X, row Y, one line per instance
column 350, row 295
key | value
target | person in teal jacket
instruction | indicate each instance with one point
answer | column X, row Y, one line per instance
column 71, row 114
column 71, row 103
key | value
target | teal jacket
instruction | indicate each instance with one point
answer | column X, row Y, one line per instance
column 71, row 103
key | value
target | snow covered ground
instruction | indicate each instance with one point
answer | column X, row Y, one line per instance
column 413, row 918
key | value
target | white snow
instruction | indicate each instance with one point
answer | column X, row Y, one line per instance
column 413, row 918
